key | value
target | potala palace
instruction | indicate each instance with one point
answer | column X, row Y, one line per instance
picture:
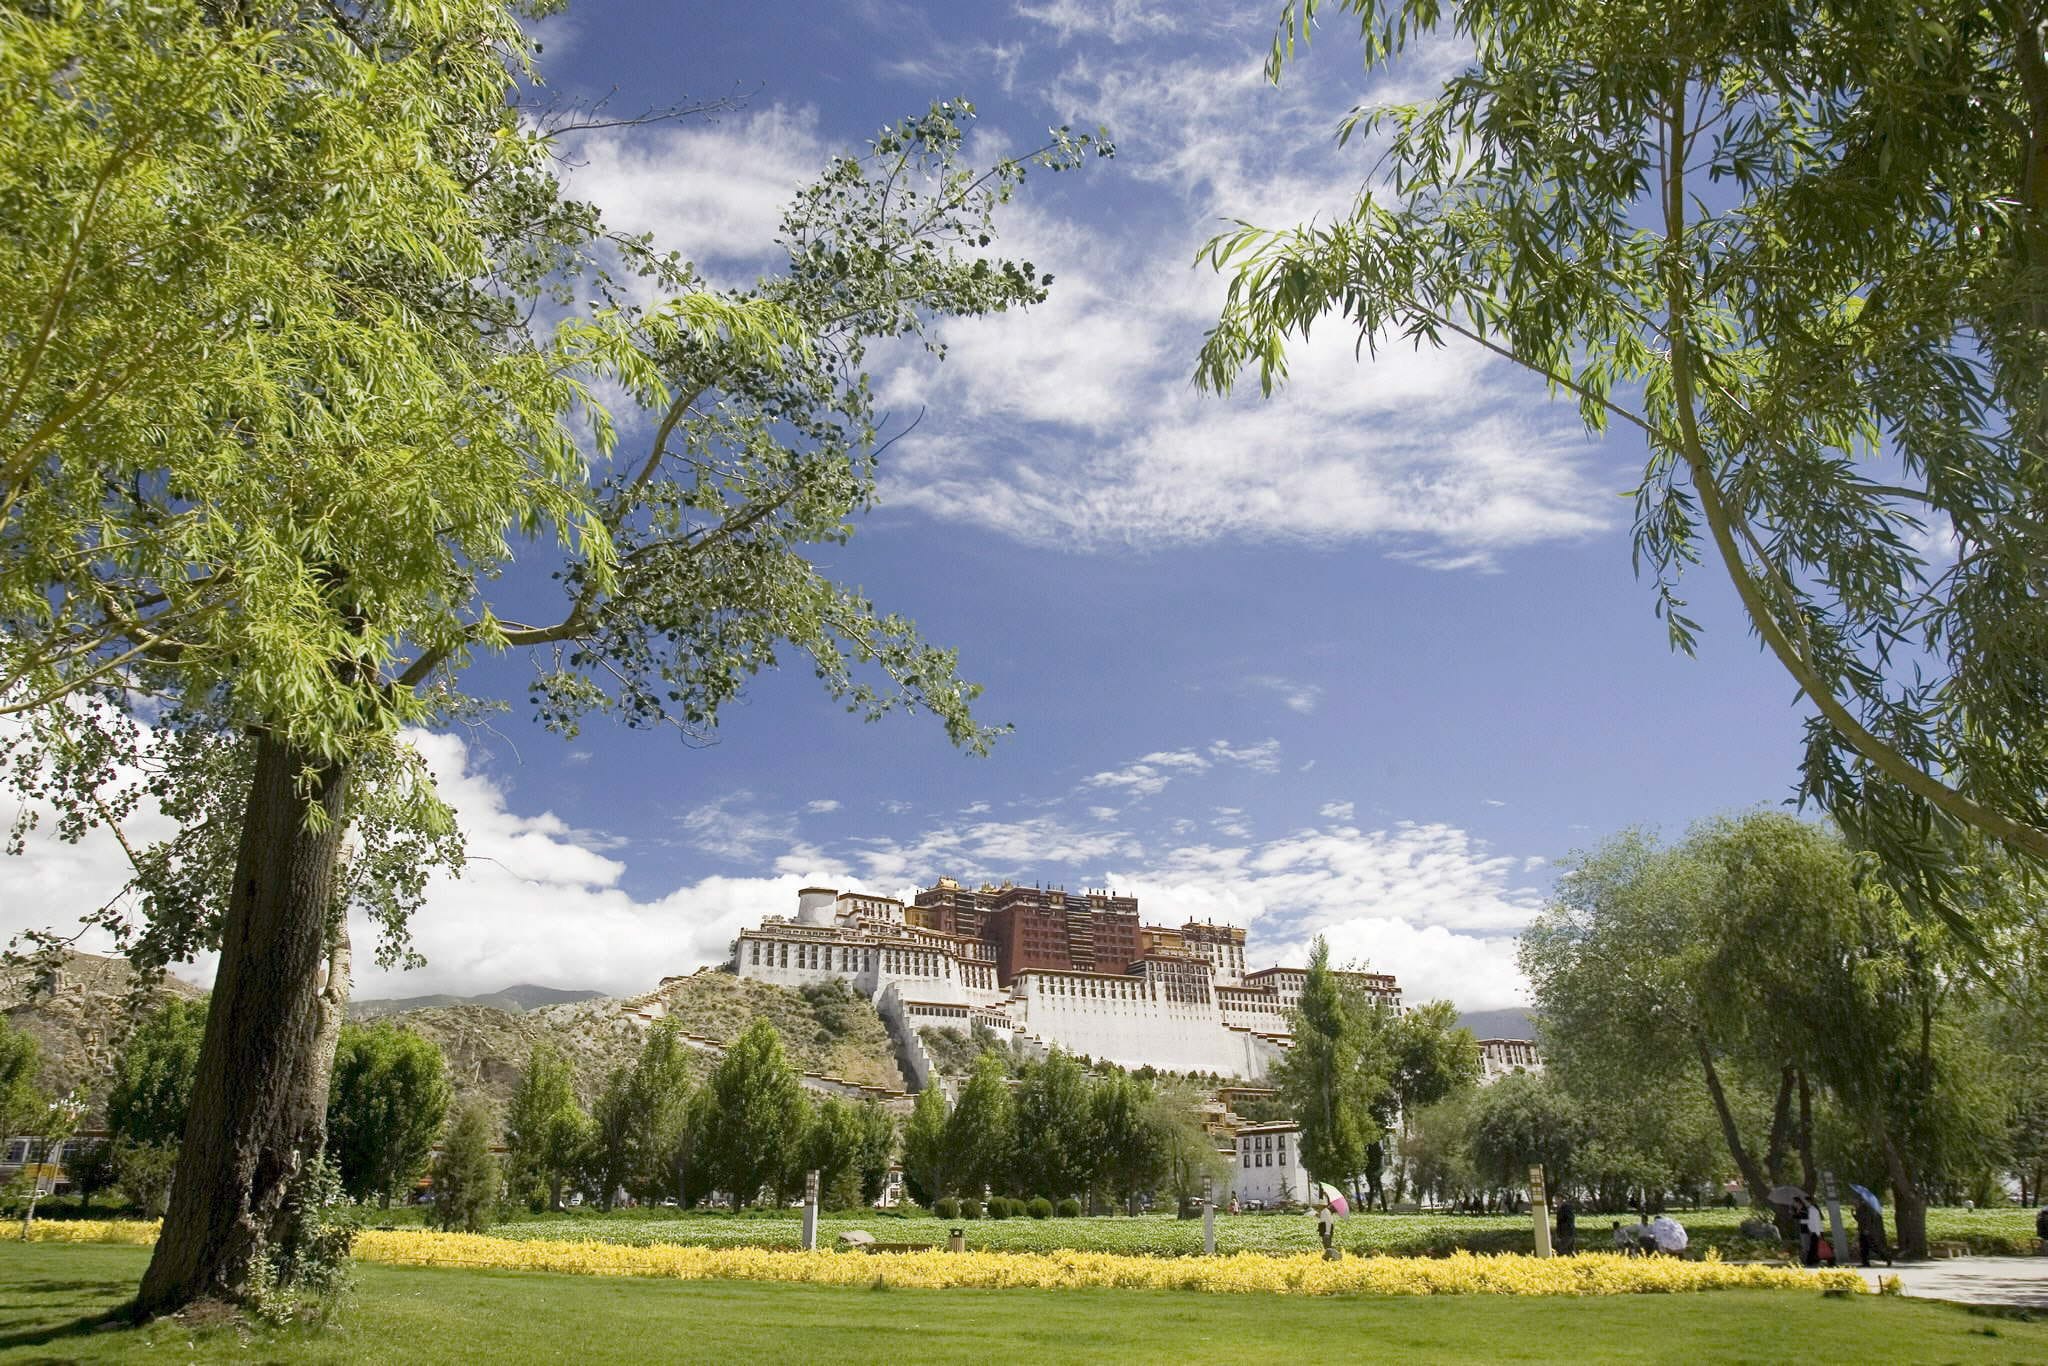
column 1042, row 967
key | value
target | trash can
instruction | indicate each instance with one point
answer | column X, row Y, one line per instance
column 956, row 1241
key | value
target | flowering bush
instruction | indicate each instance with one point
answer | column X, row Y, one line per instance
column 1239, row 1273
column 135, row 1232
column 1242, row 1273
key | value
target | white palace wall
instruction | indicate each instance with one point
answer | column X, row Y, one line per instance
column 1222, row 1021
column 791, row 957
column 1131, row 1021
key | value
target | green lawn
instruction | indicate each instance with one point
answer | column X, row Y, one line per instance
column 1986, row 1231
column 52, row 1297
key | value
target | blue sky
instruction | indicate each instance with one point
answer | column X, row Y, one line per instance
column 1367, row 659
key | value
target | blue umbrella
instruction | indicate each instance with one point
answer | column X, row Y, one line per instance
column 1867, row 1198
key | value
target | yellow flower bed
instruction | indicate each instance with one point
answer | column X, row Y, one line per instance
column 1242, row 1273
column 134, row 1232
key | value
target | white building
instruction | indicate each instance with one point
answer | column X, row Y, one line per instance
column 1183, row 1003
column 1268, row 1169
column 1499, row 1057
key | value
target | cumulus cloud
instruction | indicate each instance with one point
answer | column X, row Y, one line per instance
column 1337, row 811
column 543, row 901
column 714, row 191
column 822, row 806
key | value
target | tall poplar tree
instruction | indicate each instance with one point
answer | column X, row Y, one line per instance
column 1326, row 1081
column 755, row 1117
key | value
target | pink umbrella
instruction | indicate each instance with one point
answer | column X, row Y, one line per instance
column 1335, row 1198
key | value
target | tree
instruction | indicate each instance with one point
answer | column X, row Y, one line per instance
column 20, row 1063
column 875, row 1146
column 374, row 327
column 390, row 1095
column 1619, row 973
column 831, row 1148
column 1128, row 1157
column 144, row 1171
column 664, row 1138
column 1329, row 1083
column 755, row 1119
column 1055, row 1125
column 1802, row 252
column 152, row 1084
column 545, row 1129
column 1187, row 1157
column 981, row 1132
column 926, row 1168
column 466, row 1176
column 1520, row 1121
column 91, row 1168
column 612, row 1147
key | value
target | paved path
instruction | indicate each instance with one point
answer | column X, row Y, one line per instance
column 1975, row 1280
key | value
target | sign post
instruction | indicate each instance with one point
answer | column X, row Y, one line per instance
column 1208, row 1216
column 1539, row 1210
column 1827, row 1187
column 810, row 1211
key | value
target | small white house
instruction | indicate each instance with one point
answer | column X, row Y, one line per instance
column 1268, row 1169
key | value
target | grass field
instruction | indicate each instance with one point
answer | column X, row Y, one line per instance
column 1986, row 1231
column 53, row 1297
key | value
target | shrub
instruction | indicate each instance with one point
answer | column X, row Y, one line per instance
column 946, row 1207
column 970, row 1208
column 1069, row 1208
column 1002, row 1207
column 1041, row 1208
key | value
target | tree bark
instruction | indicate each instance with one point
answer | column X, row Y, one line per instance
column 1752, row 1175
column 1909, row 1205
column 259, row 1098
column 1809, row 1170
column 1781, row 1128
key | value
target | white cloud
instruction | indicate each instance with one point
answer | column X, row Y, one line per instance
column 822, row 806
column 542, row 901
column 1119, row 21
column 714, row 191
column 1263, row 757
column 733, row 829
column 1425, row 452
column 1337, row 811
column 1296, row 697
column 1492, row 801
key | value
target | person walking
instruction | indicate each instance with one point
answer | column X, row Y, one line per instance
column 1326, row 1228
column 1870, row 1240
column 1809, row 1219
column 1567, row 1228
column 2041, row 1229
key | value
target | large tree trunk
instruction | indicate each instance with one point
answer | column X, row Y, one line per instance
column 1809, row 1170
column 1781, row 1128
column 1745, row 1162
column 259, row 1098
column 1909, row 1205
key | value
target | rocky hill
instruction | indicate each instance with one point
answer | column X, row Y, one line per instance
column 80, row 1015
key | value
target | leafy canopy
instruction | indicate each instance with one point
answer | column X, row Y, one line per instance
column 1802, row 251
